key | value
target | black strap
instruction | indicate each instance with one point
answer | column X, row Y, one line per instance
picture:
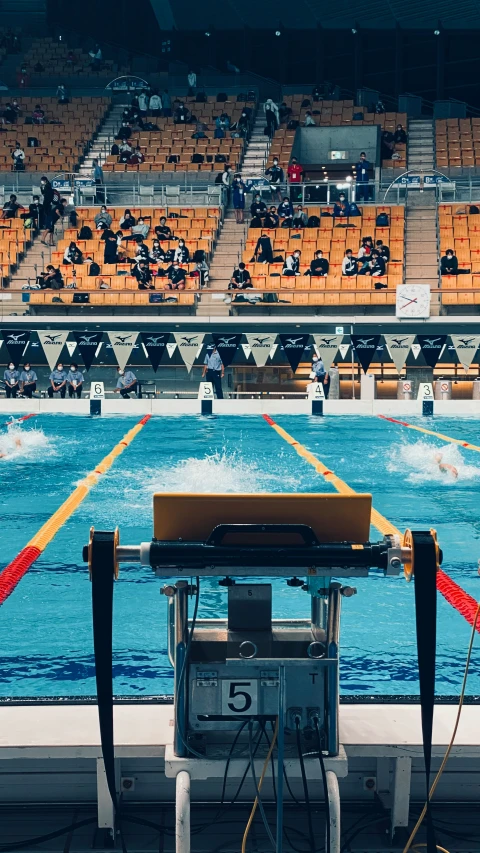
column 103, row 567
column 425, row 571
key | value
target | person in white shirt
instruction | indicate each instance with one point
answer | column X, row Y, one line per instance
column 143, row 103
column 349, row 264
column 155, row 105
column 192, row 82
column 309, row 120
column 227, row 182
column 18, row 157
column 292, row 263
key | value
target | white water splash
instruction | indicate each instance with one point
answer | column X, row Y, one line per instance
column 17, row 443
column 420, row 462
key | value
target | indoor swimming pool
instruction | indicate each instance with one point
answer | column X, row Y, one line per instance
column 45, row 625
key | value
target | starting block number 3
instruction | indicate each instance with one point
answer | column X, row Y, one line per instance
column 239, row 697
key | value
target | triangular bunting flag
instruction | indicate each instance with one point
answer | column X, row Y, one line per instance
column 327, row 348
column 16, row 341
column 365, row 347
column 71, row 346
column 466, row 347
column 227, row 346
column 189, row 346
column 431, row 346
column 343, row 350
column 122, row 345
column 89, row 344
column 52, row 343
column 294, row 347
column 416, row 350
column 261, row 347
column 154, row 345
column 247, row 350
column 171, row 349
column 399, row 348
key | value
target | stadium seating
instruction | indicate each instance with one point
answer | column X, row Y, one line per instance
column 457, row 143
column 175, row 140
column 54, row 55
column 460, row 231
column 62, row 143
column 333, row 289
column 14, row 239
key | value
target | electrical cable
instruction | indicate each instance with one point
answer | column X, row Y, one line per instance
column 258, row 800
column 40, row 839
column 229, row 758
column 184, row 666
column 297, row 802
column 328, row 841
column 305, row 786
column 452, row 739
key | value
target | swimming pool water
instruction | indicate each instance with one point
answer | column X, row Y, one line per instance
column 45, row 625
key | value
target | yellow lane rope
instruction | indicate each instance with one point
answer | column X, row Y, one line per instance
column 449, row 438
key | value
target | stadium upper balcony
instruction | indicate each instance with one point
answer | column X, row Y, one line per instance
column 48, row 57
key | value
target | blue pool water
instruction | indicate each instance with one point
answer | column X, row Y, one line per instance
column 45, row 626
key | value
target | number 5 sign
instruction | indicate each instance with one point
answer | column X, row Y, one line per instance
column 97, row 391
column 239, row 697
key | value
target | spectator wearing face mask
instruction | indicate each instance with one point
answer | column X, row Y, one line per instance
column 300, row 218
column 295, row 174
column 11, row 377
column 182, row 254
column 127, row 221
column 319, row 266
column 276, row 177
column 241, row 279
column 103, row 219
column 341, row 208
column 176, row 277
column 28, row 381
column 143, row 274
column 319, row 374
column 74, row 382
column 349, row 264
column 126, row 383
column 362, row 169
column 141, row 228
column 272, row 219
column 163, row 231
column 258, row 209
column 449, row 263
column 285, row 212
column 292, row 264
column 72, row 254
column 58, row 382
column 18, row 157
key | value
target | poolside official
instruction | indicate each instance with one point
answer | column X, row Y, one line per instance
column 74, row 381
column 11, row 377
column 319, row 374
column 214, row 371
column 58, row 382
column 28, row 381
column 127, row 381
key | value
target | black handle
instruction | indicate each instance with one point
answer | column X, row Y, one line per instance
column 221, row 530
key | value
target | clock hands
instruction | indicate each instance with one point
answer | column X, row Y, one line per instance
column 409, row 301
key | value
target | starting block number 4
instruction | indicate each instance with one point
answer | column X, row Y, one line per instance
column 97, row 391
column 425, row 391
column 315, row 391
column 239, row 697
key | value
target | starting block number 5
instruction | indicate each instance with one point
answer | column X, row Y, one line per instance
column 239, row 697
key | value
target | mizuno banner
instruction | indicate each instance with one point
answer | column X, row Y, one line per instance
column 466, row 347
column 327, row 348
column 431, row 347
column 155, row 345
column 88, row 343
column 260, row 346
column 122, row 345
column 15, row 341
column 365, row 347
column 399, row 347
column 52, row 343
column 294, row 347
column 227, row 346
column 189, row 346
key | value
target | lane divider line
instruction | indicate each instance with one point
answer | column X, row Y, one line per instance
column 19, row 420
column 451, row 591
column 14, row 572
column 432, row 432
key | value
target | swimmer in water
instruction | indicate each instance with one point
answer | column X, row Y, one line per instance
column 444, row 467
column 18, row 443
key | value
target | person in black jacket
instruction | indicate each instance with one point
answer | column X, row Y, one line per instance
column 276, row 177
column 382, row 250
column 176, row 277
column 110, row 255
column 143, row 274
column 263, row 250
column 400, row 135
column 449, row 263
column 163, row 231
column 240, row 279
column 285, row 212
column 272, row 218
column 319, row 266
column 258, row 209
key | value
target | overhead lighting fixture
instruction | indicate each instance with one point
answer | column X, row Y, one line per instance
column 278, row 33
column 348, row 178
column 436, row 32
column 354, row 31
column 208, row 34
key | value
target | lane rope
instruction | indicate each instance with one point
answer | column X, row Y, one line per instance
column 14, row 572
column 449, row 438
column 19, row 420
column 451, row 591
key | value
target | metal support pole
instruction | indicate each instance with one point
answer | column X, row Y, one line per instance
column 280, row 755
column 334, row 802
column 105, row 807
column 182, row 812
column 181, row 674
column 333, row 630
column 402, row 775
column 171, row 629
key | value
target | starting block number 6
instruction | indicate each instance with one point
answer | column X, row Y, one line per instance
column 239, row 697
column 97, row 391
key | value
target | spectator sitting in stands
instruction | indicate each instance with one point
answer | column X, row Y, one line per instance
column 449, row 263
column 10, row 208
column 341, row 207
column 240, row 279
column 72, row 254
column 182, row 114
column 382, row 250
column 292, row 263
column 243, row 124
column 127, row 221
column 316, row 94
column 62, row 94
column 284, row 112
column 141, row 250
column 110, row 255
column 349, row 264
column 263, row 250
column 200, row 129
column 125, row 152
column 141, row 228
column 155, row 104
column 182, row 254
column 285, row 212
column 97, row 57
column 365, row 251
column 157, row 253
column 51, row 278
column 18, row 157
column 379, row 107
column 124, row 132
column 38, row 115
column 143, row 274
column 375, row 266
column 400, row 135
column 223, row 121
column 276, row 177
column 35, row 212
column 319, row 266
column 272, row 219
column 103, row 218
column 176, row 277
column 137, row 157
column 309, row 120
column 163, row 231
column 300, row 218
column 9, row 115
column 258, row 209
column 387, row 145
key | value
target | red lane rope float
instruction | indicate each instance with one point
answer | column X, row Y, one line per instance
column 19, row 420
column 448, row 438
column 463, row 603
column 14, row 572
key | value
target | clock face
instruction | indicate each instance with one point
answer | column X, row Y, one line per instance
column 413, row 300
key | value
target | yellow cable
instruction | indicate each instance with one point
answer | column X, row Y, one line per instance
column 450, row 745
column 254, row 807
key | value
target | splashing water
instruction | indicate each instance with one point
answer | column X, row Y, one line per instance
column 17, row 443
column 419, row 460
